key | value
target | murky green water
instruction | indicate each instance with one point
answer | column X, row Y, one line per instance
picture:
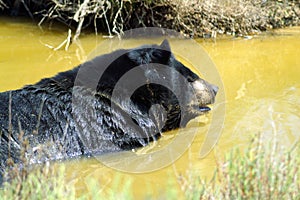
column 260, row 75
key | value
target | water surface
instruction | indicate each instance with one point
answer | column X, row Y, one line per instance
column 260, row 76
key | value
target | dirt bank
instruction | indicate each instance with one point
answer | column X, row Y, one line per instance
column 196, row 18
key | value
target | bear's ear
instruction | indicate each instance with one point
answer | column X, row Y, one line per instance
column 165, row 45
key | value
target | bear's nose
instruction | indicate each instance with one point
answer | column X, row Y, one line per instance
column 214, row 89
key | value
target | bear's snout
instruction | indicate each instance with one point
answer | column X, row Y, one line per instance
column 205, row 92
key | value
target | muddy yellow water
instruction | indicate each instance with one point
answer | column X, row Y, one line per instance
column 260, row 76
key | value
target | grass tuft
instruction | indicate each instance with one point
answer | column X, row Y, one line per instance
column 43, row 183
column 263, row 170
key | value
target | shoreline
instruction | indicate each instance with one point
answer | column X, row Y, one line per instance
column 194, row 18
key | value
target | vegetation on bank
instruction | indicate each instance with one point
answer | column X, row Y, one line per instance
column 263, row 170
column 196, row 18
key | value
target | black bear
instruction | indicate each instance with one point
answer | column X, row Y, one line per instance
column 117, row 101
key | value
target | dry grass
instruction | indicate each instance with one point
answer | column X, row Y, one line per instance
column 86, row 13
column 43, row 183
column 264, row 170
column 236, row 17
column 196, row 18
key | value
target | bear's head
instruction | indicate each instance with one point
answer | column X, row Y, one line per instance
column 160, row 90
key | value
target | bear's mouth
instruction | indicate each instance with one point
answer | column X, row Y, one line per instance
column 204, row 108
column 201, row 108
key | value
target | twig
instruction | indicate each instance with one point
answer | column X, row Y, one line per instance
column 51, row 11
column 3, row 5
column 39, row 117
column 65, row 43
column 27, row 9
column 107, row 24
column 69, row 40
column 80, row 16
column 9, row 124
column 115, row 21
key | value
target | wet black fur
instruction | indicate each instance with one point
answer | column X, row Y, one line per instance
column 44, row 110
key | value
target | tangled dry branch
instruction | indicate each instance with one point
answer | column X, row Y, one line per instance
column 198, row 18
column 3, row 5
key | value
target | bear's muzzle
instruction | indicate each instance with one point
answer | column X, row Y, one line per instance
column 205, row 94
